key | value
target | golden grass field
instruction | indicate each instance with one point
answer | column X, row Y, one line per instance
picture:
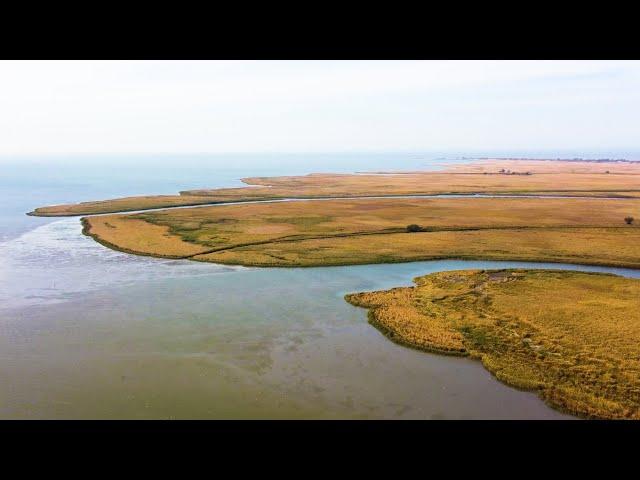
column 573, row 337
column 342, row 232
column 139, row 237
column 547, row 178
column 589, row 247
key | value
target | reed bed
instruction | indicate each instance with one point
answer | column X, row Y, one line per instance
column 572, row 337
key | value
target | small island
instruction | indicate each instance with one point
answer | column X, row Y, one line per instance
column 572, row 337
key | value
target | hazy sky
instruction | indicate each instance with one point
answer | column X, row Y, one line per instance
column 315, row 106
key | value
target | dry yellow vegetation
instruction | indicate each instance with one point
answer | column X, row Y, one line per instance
column 573, row 337
column 342, row 232
column 541, row 166
column 138, row 236
column 547, row 178
column 606, row 247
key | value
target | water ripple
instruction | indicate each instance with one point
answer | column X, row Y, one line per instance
column 55, row 261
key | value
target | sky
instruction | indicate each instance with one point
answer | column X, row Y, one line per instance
column 109, row 107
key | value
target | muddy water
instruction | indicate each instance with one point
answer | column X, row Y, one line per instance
column 87, row 332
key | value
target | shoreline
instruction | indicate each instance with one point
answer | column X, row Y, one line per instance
column 86, row 230
column 499, row 355
column 390, row 335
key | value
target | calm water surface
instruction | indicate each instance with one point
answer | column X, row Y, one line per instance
column 87, row 332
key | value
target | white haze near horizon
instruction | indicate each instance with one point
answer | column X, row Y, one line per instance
column 111, row 107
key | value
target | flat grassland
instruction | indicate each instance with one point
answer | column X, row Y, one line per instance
column 572, row 337
column 490, row 177
column 357, row 231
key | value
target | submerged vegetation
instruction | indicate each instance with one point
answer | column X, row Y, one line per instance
column 573, row 337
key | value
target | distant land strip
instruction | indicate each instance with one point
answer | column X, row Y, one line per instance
column 492, row 177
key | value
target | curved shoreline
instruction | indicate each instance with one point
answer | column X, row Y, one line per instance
column 86, row 230
column 430, row 258
column 390, row 335
column 410, row 332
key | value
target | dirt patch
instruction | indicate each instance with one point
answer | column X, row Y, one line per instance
column 499, row 275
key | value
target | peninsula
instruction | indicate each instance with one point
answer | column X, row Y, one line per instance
column 572, row 337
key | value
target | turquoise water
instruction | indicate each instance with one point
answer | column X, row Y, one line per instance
column 87, row 332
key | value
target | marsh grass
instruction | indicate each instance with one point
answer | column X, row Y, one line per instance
column 344, row 232
column 303, row 221
column 572, row 337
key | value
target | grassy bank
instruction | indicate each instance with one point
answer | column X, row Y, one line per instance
column 572, row 337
